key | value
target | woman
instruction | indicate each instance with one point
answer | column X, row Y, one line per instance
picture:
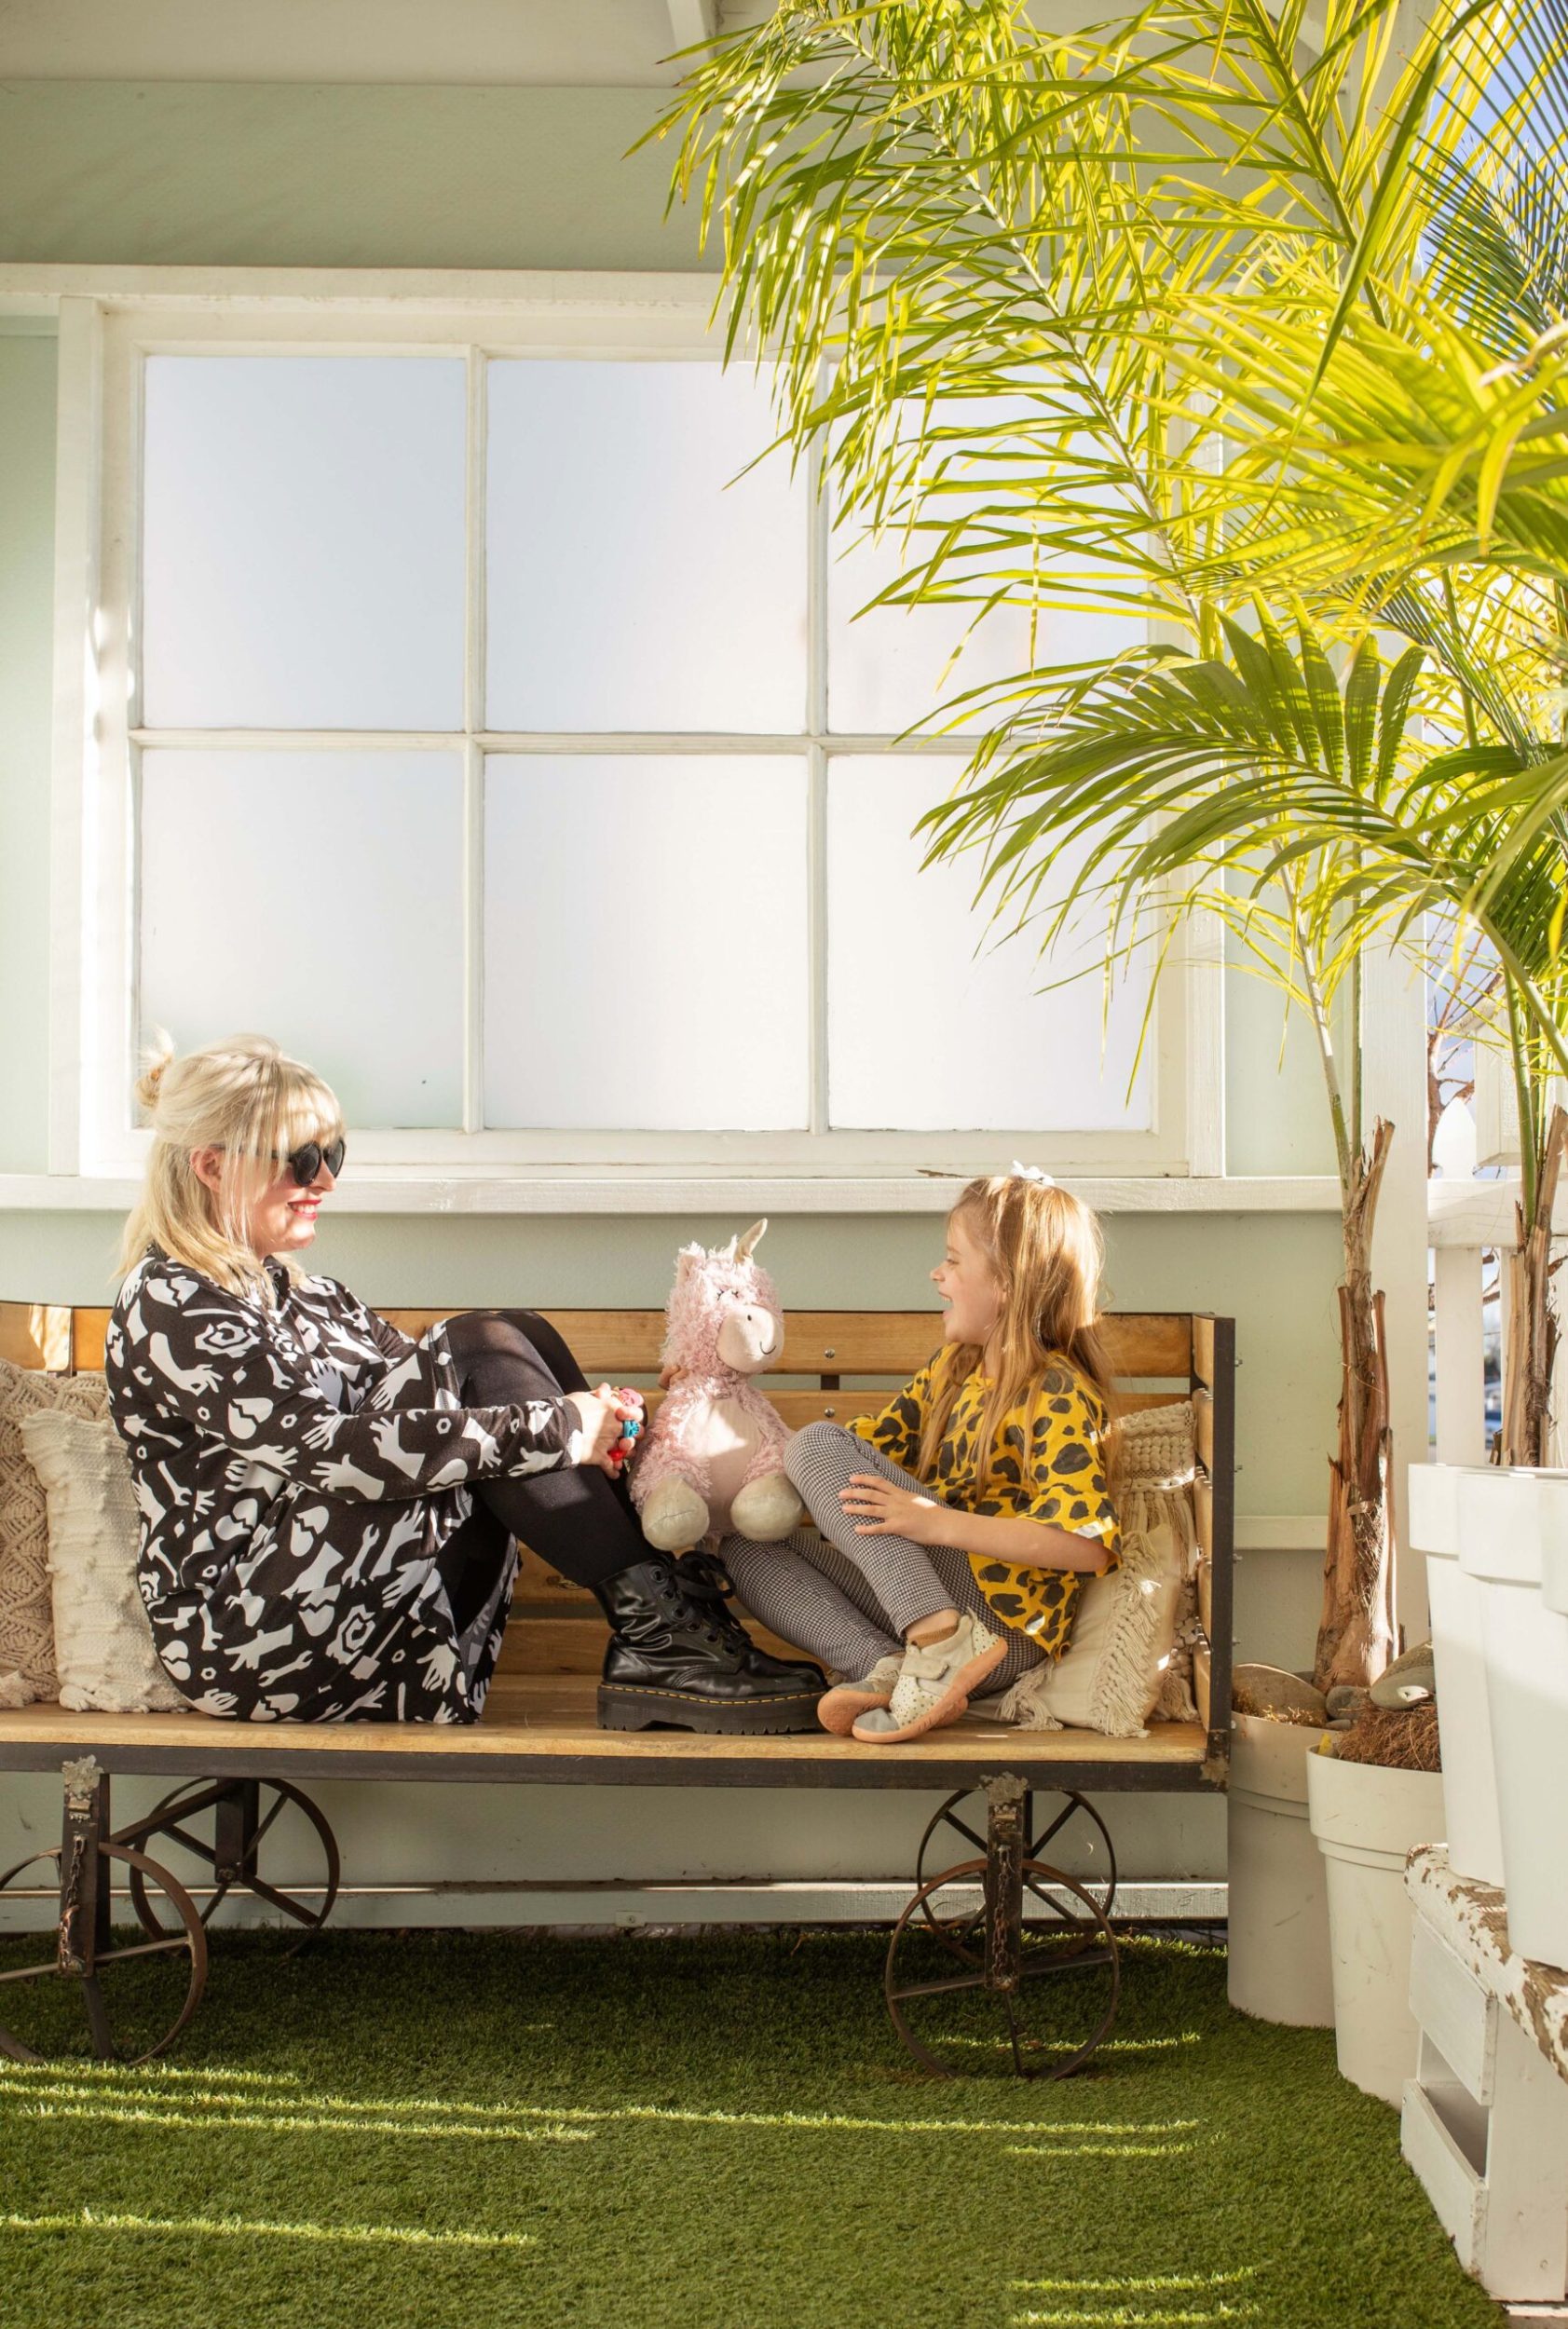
column 330, row 1510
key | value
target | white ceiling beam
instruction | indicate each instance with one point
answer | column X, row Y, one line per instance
column 691, row 21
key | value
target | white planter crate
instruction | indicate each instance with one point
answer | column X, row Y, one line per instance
column 1484, row 2122
column 1526, row 1649
column 1455, row 1601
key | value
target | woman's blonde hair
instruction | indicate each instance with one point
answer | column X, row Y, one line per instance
column 1045, row 1248
column 243, row 1095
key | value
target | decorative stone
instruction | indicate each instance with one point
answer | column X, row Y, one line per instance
column 1409, row 1680
column 1270, row 1690
column 1346, row 1700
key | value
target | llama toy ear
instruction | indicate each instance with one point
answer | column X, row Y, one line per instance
column 689, row 1258
column 752, row 1239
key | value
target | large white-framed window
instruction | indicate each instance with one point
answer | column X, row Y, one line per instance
column 438, row 693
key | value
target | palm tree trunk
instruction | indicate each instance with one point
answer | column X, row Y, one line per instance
column 1533, row 1326
column 1355, row 1637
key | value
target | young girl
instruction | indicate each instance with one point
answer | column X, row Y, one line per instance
column 957, row 1525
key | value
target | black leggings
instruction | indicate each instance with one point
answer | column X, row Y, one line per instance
column 577, row 1520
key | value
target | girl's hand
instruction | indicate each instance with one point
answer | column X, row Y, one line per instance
column 670, row 1374
column 878, row 1507
column 600, row 1415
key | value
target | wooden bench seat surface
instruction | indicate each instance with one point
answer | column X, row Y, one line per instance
column 545, row 1726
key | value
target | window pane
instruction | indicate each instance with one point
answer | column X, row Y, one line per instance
column 893, row 666
column 636, row 581
column 304, row 541
column 316, row 898
column 923, row 1033
column 645, row 943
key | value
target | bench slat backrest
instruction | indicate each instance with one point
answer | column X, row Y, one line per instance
column 890, row 1344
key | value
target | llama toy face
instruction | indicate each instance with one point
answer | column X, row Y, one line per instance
column 724, row 1310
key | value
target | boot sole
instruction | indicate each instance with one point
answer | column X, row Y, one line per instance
column 953, row 1702
column 623, row 1709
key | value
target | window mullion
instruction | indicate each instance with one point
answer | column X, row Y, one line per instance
column 817, row 517
column 474, row 756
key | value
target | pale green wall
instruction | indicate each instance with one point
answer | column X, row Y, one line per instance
column 1275, row 1272
column 192, row 173
column 364, row 177
column 27, row 381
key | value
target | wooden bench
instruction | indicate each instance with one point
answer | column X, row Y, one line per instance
column 540, row 1723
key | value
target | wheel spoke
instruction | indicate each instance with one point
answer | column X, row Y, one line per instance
column 1074, row 1802
column 143, row 1949
column 192, row 1844
column 968, row 1834
column 281, row 1900
column 174, row 1807
column 938, row 1989
column 220, row 1895
column 1064, row 1965
column 264, row 1825
column 30, row 1972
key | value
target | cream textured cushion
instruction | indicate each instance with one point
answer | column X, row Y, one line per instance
column 103, row 1647
column 26, row 1626
column 1114, row 1672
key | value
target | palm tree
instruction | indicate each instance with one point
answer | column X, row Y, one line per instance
column 1012, row 283
column 1235, row 783
column 1415, row 458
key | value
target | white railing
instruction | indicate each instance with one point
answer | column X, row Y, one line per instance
column 1470, row 1224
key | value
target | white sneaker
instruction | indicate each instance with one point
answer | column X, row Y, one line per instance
column 838, row 1712
column 933, row 1684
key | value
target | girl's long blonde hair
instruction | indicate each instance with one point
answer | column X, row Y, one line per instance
column 246, row 1095
column 1045, row 1247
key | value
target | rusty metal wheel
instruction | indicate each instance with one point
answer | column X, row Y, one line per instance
column 241, row 1818
column 1073, row 1806
column 1039, row 1990
column 138, row 1996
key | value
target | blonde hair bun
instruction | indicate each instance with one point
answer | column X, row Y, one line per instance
column 245, row 1096
column 155, row 1057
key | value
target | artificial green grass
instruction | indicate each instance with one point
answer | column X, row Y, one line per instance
column 426, row 2130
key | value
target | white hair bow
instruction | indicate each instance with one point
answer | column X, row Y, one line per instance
column 1029, row 1171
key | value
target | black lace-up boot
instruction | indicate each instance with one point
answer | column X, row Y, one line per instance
column 672, row 1660
column 707, row 1581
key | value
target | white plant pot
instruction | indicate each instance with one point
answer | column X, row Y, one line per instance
column 1474, row 1834
column 1367, row 1820
column 1551, row 1491
column 1526, row 1648
column 1277, row 1962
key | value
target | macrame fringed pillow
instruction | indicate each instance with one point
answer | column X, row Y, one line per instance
column 27, row 1666
column 104, row 1646
column 1130, row 1655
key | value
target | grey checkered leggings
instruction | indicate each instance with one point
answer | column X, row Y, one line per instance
column 851, row 1600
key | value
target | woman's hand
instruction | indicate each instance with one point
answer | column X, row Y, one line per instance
column 878, row 1507
column 600, row 1416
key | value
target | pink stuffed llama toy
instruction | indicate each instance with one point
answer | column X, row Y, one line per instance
column 712, row 1458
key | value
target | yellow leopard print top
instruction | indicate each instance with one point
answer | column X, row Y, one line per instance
column 1048, row 1464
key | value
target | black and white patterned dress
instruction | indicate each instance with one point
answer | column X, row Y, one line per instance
column 298, row 1472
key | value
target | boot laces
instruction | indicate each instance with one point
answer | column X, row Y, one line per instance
column 703, row 1579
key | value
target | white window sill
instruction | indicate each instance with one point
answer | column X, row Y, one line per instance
column 372, row 1189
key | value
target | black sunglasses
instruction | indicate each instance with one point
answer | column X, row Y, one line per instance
column 305, row 1163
